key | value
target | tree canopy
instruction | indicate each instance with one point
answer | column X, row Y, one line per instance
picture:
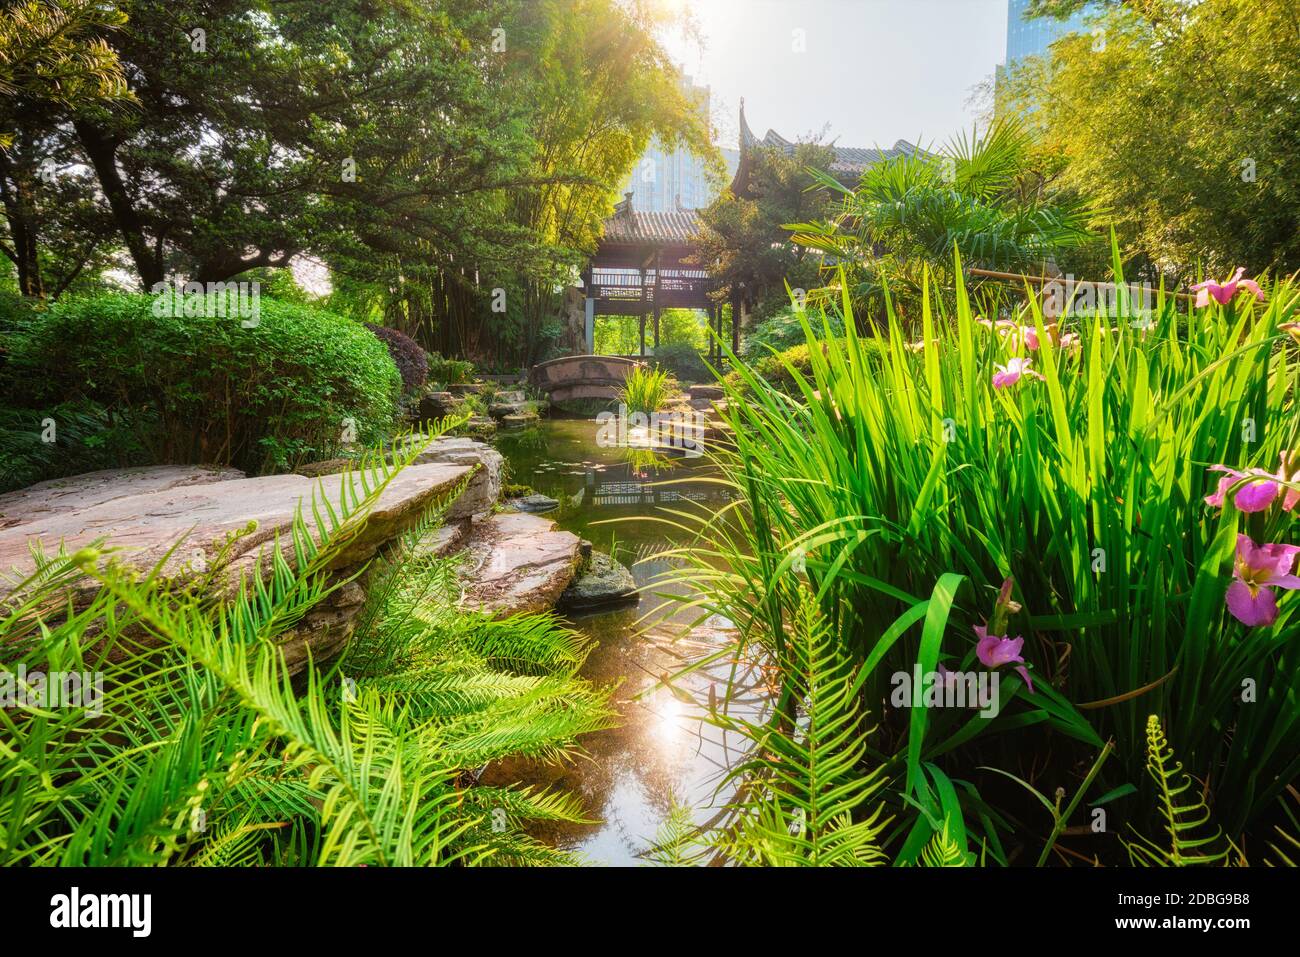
column 1181, row 122
column 429, row 154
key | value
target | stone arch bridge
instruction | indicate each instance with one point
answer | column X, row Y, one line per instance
column 582, row 377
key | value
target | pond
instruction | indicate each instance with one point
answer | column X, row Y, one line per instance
column 662, row 754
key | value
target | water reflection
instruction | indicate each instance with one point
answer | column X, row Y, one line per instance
column 662, row 752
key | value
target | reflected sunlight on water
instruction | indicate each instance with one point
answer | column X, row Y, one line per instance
column 663, row 752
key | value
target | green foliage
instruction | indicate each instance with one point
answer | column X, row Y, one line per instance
column 885, row 468
column 744, row 236
column 207, row 753
column 1211, row 185
column 806, row 790
column 985, row 196
column 87, row 436
column 944, row 851
column 1184, row 813
column 782, row 331
column 53, row 52
column 682, row 361
column 647, row 390
column 210, row 389
column 445, row 372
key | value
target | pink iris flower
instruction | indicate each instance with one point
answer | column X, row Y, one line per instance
column 1010, row 373
column 1262, row 489
column 1258, row 570
column 1223, row 293
column 994, row 651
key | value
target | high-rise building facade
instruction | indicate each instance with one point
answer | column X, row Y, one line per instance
column 664, row 181
column 1033, row 37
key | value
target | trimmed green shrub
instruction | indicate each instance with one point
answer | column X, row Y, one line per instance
column 774, row 368
column 411, row 361
column 294, row 384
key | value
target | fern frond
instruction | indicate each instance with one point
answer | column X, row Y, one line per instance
column 1186, row 815
column 806, row 788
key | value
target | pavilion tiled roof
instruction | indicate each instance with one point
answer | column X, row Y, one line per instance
column 628, row 226
column 848, row 159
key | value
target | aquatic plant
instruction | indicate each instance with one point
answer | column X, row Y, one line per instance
column 883, row 470
column 647, row 390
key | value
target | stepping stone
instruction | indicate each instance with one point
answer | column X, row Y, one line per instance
column 480, row 425
column 520, row 420
column 536, row 502
column 517, row 563
column 436, row 405
column 500, row 410
column 604, row 581
column 705, row 392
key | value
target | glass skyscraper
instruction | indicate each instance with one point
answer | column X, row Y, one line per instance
column 1033, row 37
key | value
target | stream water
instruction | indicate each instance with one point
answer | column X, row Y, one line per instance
column 662, row 753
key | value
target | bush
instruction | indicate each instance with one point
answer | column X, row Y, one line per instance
column 412, row 361
column 772, row 368
column 683, row 360
column 299, row 384
column 781, row 332
column 449, row 371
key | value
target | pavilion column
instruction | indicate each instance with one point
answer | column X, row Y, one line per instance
column 659, row 271
column 589, row 324
column 641, row 324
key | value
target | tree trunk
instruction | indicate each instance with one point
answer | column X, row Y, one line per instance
column 102, row 150
column 15, row 190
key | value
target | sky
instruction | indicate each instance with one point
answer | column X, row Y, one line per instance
column 875, row 70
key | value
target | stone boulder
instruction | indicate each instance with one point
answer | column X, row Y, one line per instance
column 535, row 502
column 78, row 492
column 436, row 405
column 484, row 488
column 479, row 496
column 227, row 528
column 517, row 563
column 519, row 420
column 602, row 581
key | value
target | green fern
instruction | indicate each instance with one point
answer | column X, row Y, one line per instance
column 1185, row 815
column 805, row 791
column 208, row 751
column 1284, row 848
column 944, row 851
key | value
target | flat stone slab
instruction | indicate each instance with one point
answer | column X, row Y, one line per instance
column 78, row 492
column 706, row 392
column 536, row 503
column 604, row 581
column 214, row 516
column 517, row 563
column 480, row 494
column 519, row 420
